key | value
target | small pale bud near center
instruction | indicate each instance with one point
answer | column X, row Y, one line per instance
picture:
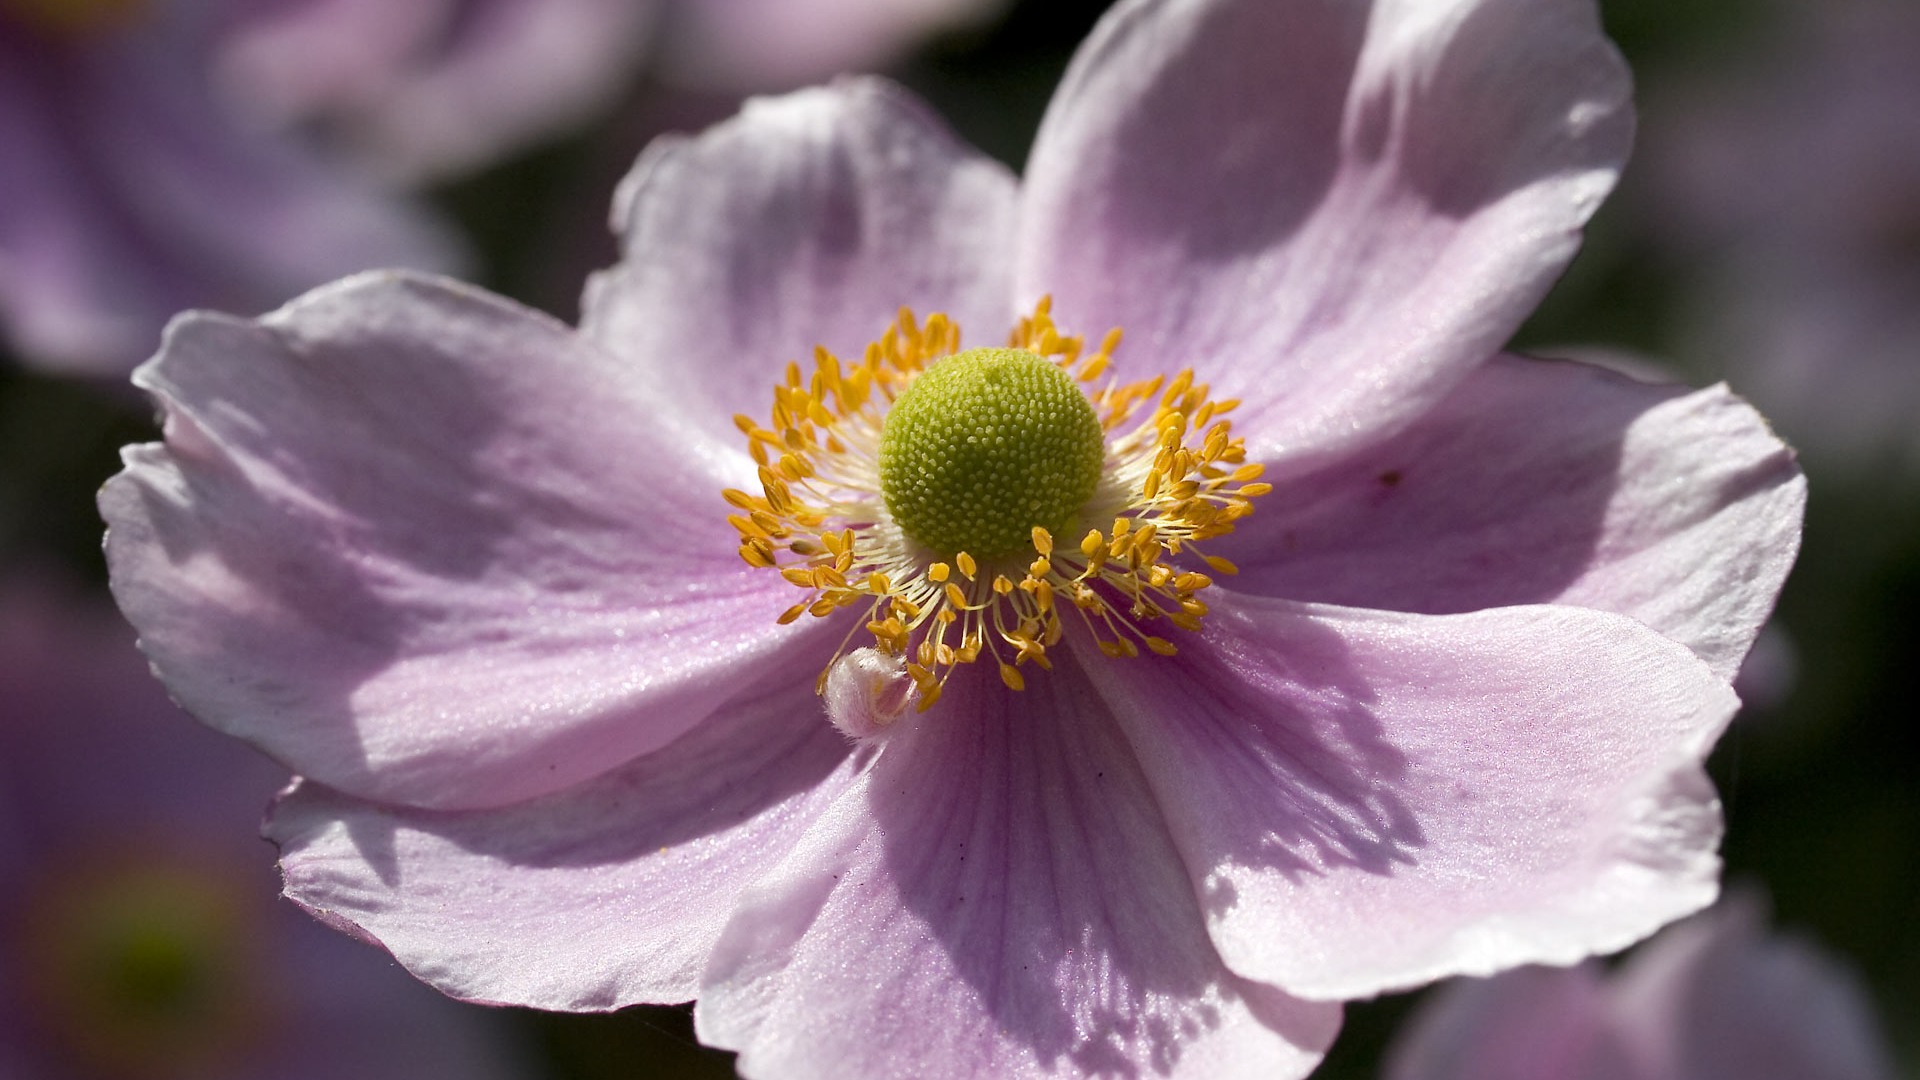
column 867, row 692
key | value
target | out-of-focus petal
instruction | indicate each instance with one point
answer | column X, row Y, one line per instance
column 1537, row 482
column 105, row 784
column 431, row 548
column 1332, row 210
column 1533, row 1023
column 1714, row 998
column 434, row 87
column 808, row 220
column 1718, row 998
column 998, row 897
column 130, row 196
column 1369, row 801
column 607, row 894
column 766, row 44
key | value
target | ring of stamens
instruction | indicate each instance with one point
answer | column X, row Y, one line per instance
column 1174, row 476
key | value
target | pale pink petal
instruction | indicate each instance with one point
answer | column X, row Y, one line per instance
column 1369, row 801
column 1548, row 482
column 1718, row 998
column 1533, row 1023
column 998, row 896
column 1333, row 210
column 807, row 220
column 607, row 894
column 431, row 548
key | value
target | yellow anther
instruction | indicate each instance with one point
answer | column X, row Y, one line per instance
column 1191, row 482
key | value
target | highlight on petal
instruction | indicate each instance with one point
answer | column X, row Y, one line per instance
column 1367, row 801
column 995, row 896
column 431, row 548
column 808, row 220
column 1333, row 210
column 1541, row 481
column 609, row 893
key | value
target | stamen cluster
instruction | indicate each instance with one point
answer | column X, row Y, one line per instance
column 1174, row 475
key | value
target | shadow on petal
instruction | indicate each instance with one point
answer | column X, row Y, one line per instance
column 1021, row 834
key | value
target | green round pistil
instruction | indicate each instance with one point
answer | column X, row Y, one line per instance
column 985, row 445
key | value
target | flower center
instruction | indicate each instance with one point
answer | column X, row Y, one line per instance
column 72, row 17
column 925, row 485
column 984, row 447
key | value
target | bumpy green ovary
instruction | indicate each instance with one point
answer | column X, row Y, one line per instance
column 985, row 445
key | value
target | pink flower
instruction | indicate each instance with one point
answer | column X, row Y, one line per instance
column 468, row 570
column 1715, row 998
column 128, row 191
column 140, row 937
column 432, row 88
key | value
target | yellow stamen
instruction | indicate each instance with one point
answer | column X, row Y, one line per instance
column 1174, row 476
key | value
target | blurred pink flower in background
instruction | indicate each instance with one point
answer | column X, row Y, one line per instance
column 1717, row 997
column 128, row 191
column 424, row 89
column 1786, row 180
column 468, row 570
column 140, row 936
column 431, row 88
column 157, row 155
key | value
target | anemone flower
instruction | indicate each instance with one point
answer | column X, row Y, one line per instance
column 1080, row 800
column 434, row 88
column 131, row 192
column 140, row 937
column 1717, row 997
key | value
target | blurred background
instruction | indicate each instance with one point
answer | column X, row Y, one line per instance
column 163, row 154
